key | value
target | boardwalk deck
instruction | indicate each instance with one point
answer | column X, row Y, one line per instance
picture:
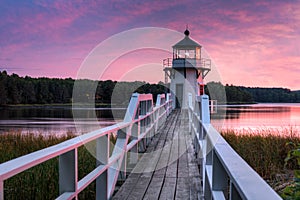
column 168, row 169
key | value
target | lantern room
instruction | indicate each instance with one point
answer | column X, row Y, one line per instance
column 187, row 48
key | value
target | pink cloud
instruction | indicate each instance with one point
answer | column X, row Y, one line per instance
column 256, row 39
column 126, row 67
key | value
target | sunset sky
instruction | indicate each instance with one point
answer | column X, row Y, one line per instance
column 252, row 43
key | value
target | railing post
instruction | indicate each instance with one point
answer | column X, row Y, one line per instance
column 207, row 189
column 219, row 175
column 102, row 154
column 68, row 172
column 156, row 114
column 142, row 125
column 133, row 155
column 1, row 190
column 234, row 195
column 123, row 169
column 204, row 109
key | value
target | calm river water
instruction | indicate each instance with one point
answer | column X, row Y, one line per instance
column 275, row 116
column 58, row 120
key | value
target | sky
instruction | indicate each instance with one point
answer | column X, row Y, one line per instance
column 251, row 43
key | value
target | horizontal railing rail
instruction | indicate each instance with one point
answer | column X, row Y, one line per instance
column 225, row 174
column 203, row 63
column 167, row 62
column 141, row 121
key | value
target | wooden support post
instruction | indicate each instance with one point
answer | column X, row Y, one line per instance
column 1, row 190
column 234, row 195
column 68, row 172
column 219, row 175
column 123, row 168
column 102, row 154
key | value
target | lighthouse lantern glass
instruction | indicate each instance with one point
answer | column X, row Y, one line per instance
column 186, row 53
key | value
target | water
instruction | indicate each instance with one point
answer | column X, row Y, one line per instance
column 55, row 120
column 282, row 117
column 59, row 120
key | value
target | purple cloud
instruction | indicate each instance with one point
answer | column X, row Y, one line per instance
column 255, row 39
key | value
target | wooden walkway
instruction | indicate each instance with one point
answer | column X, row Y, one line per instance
column 168, row 168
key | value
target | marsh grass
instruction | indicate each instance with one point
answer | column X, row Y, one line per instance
column 41, row 181
column 32, row 183
column 265, row 151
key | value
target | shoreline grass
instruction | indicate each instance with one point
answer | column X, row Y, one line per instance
column 41, row 181
column 265, row 151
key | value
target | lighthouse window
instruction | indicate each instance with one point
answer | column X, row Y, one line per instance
column 191, row 54
column 198, row 53
column 185, row 53
column 181, row 54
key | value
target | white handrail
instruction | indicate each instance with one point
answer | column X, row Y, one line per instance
column 225, row 174
column 140, row 123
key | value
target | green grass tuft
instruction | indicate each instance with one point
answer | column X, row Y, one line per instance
column 41, row 181
column 265, row 151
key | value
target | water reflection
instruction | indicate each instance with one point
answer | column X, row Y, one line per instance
column 59, row 120
column 55, row 120
column 258, row 116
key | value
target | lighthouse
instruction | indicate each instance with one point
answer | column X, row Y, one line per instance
column 186, row 71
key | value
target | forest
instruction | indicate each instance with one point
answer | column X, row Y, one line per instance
column 16, row 90
column 241, row 94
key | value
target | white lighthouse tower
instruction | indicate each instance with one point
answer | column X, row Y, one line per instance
column 186, row 71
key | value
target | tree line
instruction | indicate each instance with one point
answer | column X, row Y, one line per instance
column 241, row 94
column 27, row 90
column 272, row 95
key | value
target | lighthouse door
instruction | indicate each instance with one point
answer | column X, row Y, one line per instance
column 179, row 95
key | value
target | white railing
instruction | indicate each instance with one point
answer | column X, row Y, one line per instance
column 141, row 121
column 225, row 174
column 203, row 63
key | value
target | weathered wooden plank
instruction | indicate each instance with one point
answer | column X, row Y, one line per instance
column 139, row 189
column 169, row 188
column 183, row 188
column 167, row 149
column 154, row 188
column 173, row 155
column 152, row 163
column 164, row 157
column 171, row 171
column 194, row 173
column 183, row 159
column 174, row 149
column 195, row 188
column 161, row 153
column 183, row 170
column 160, row 172
column 126, row 188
